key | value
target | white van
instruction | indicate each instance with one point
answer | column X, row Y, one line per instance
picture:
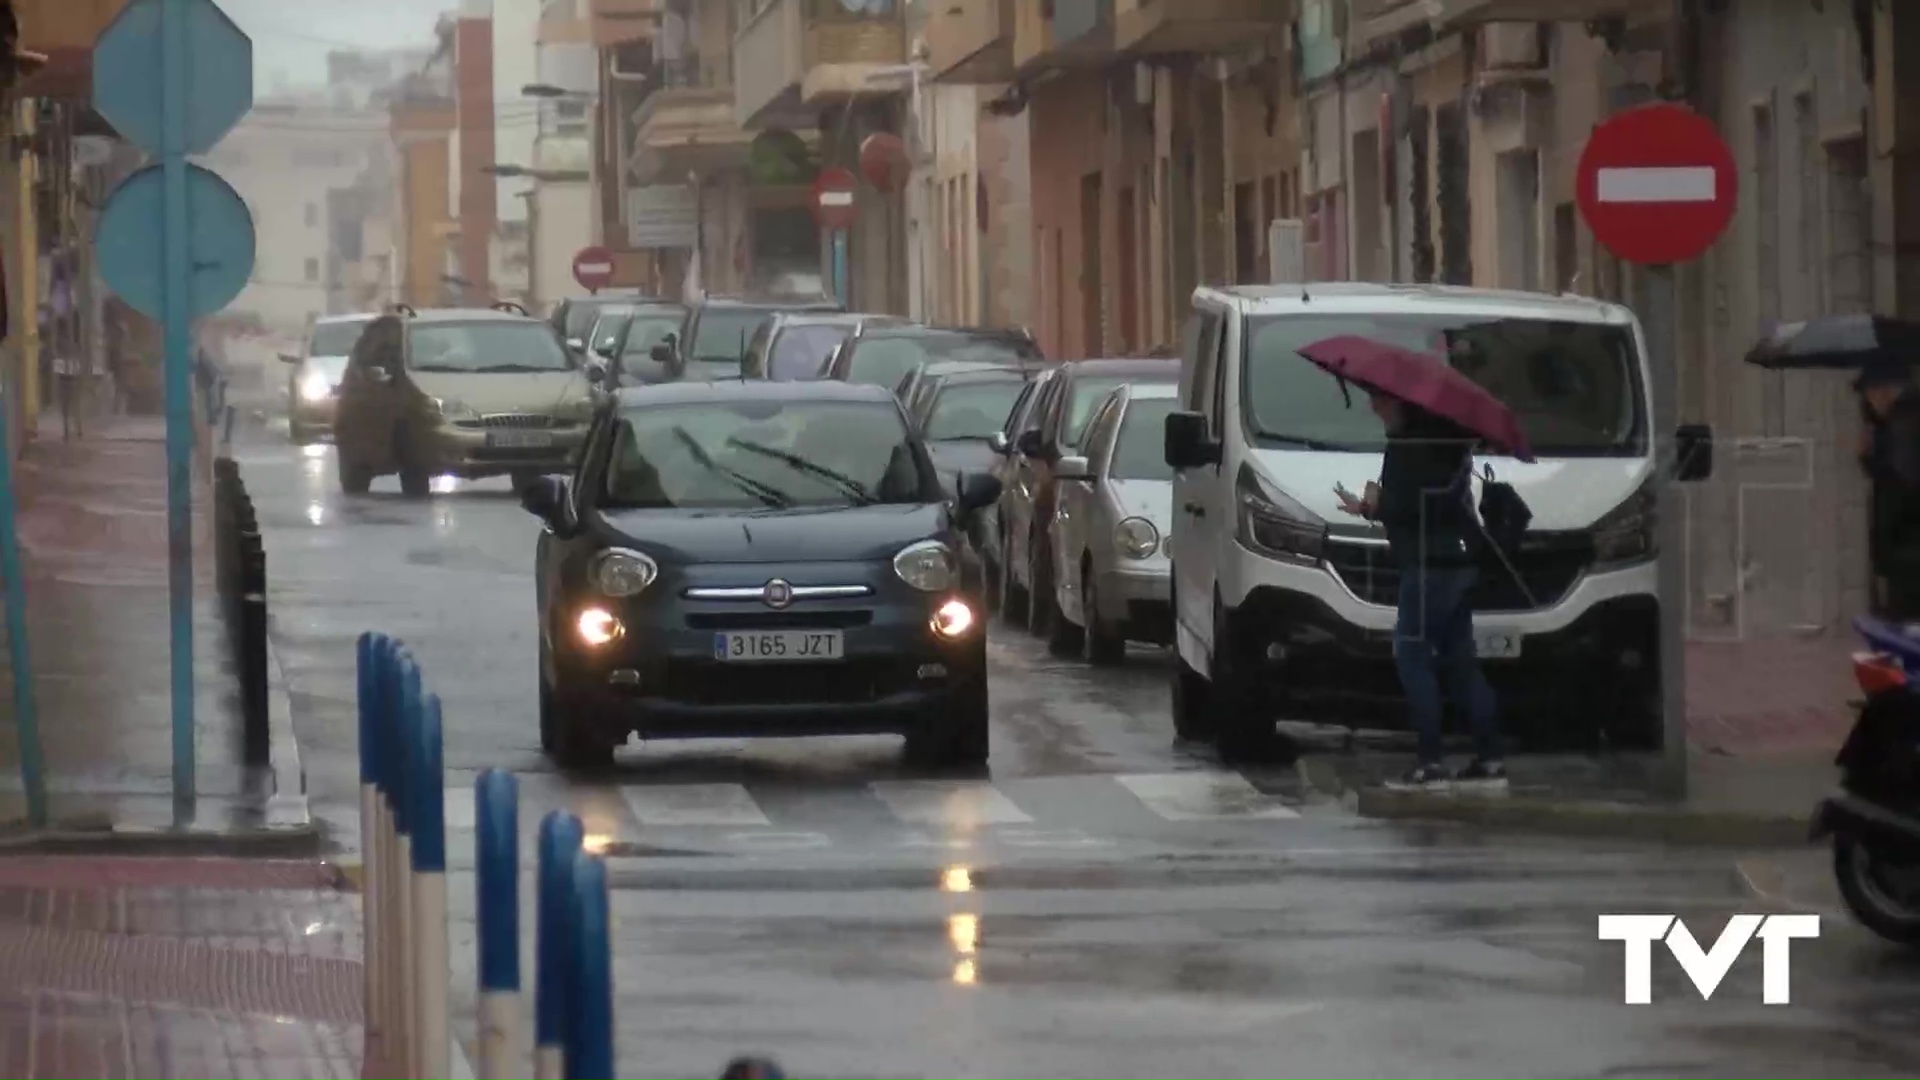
column 1284, row 606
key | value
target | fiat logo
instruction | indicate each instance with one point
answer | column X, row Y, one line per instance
column 777, row 594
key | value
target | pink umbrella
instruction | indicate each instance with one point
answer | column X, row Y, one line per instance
column 1423, row 380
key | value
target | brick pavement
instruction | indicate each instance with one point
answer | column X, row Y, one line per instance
column 121, row 967
column 1771, row 696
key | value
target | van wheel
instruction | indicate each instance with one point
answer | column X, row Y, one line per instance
column 1243, row 728
column 354, row 479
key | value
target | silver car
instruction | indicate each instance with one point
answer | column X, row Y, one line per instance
column 1112, row 524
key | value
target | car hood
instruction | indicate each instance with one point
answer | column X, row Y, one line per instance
column 1563, row 493
column 850, row 534
column 507, row 391
column 1150, row 499
column 960, row 455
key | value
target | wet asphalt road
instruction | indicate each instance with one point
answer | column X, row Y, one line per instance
column 1102, row 903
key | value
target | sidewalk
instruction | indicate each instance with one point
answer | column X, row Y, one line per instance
column 128, row 967
column 93, row 534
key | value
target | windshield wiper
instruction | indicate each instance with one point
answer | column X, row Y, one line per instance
column 441, row 367
column 848, row 487
column 1305, row 443
column 517, row 367
column 767, row 496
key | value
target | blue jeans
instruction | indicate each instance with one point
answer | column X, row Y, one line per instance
column 1432, row 638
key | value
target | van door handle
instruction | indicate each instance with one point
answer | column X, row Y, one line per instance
column 1196, row 509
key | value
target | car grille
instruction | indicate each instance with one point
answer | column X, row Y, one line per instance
column 510, row 420
column 851, row 683
column 1547, row 566
column 778, row 620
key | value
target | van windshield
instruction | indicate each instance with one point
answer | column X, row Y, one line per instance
column 1574, row 386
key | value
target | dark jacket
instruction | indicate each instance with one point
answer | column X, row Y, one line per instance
column 1892, row 463
column 1425, row 494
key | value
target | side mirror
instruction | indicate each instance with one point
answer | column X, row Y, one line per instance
column 1692, row 453
column 576, row 344
column 976, row 491
column 1072, row 467
column 1029, row 443
column 661, row 353
column 544, row 497
column 289, row 358
column 999, row 444
column 604, row 350
column 1187, row 445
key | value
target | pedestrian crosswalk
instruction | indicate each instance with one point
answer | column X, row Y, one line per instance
column 1073, row 811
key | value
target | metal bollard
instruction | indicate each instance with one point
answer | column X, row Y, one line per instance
column 590, row 1002
column 496, row 815
column 250, row 633
column 561, row 837
column 370, row 652
column 426, row 789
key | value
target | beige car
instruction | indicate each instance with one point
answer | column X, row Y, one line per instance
column 467, row 392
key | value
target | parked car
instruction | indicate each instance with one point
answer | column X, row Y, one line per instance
column 604, row 336
column 793, row 346
column 315, row 378
column 1057, row 429
column 1284, row 604
column 1112, row 518
column 744, row 558
column 573, row 317
column 467, row 392
column 643, row 328
column 881, row 355
column 1023, row 417
column 712, row 342
column 957, row 413
column 915, row 386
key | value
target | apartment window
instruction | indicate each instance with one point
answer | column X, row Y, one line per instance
column 1566, row 247
column 1849, row 216
column 1419, row 142
column 313, row 269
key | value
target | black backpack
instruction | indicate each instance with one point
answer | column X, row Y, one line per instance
column 1504, row 517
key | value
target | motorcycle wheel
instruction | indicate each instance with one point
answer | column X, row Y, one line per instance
column 1881, row 891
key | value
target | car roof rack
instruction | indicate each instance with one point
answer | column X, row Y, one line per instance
column 405, row 311
column 510, row 307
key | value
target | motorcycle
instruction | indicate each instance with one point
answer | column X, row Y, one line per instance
column 1874, row 819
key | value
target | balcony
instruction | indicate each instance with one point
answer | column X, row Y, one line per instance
column 619, row 22
column 1377, row 19
column 1191, row 26
column 1078, row 33
column 686, row 125
column 795, row 56
column 971, row 41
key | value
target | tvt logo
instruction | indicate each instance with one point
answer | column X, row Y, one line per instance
column 1707, row 967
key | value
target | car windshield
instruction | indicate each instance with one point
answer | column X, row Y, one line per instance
column 1574, row 386
column 504, row 345
column 1088, row 392
column 972, row 410
column 336, row 338
column 606, row 329
column 765, row 455
column 647, row 329
column 724, row 332
column 333, row 367
column 799, row 350
column 1140, row 451
column 580, row 317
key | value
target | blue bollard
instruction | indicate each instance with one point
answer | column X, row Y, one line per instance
column 496, row 816
column 426, row 792
column 561, row 836
column 369, row 654
column 590, row 1005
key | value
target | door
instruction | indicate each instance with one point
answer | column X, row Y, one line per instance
column 1092, row 337
column 1200, row 510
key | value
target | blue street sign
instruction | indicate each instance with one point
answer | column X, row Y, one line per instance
column 128, row 73
column 220, row 242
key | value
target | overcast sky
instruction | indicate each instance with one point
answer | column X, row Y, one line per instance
column 291, row 40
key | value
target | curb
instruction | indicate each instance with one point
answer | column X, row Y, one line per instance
column 1646, row 822
column 288, row 807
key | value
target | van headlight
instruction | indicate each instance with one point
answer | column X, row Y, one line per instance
column 620, row 572
column 927, row 566
column 1136, row 538
column 1626, row 533
column 1273, row 525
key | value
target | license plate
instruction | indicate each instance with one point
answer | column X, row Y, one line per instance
column 753, row 646
column 1497, row 644
column 519, row 440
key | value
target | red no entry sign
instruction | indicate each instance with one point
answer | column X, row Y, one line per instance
column 593, row 268
column 1657, row 184
column 833, row 198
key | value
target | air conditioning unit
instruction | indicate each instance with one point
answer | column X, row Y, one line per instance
column 1288, row 253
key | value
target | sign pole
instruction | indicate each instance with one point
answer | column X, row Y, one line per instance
column 178, row 269
column 1659, row 304
column 840, row 265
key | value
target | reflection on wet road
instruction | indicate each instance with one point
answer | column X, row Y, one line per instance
column 1100, row 902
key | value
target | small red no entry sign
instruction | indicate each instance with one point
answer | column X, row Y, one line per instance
column 1657, row 184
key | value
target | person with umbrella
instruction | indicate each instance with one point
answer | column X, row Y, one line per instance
column 1434, row 417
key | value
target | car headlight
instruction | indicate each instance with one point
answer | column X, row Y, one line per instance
column 1274, row 525
column 1136, row 538
column 456, row 410
column 315, row 386
column 620, row 572
column 1626, row 533
column 927, row 566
